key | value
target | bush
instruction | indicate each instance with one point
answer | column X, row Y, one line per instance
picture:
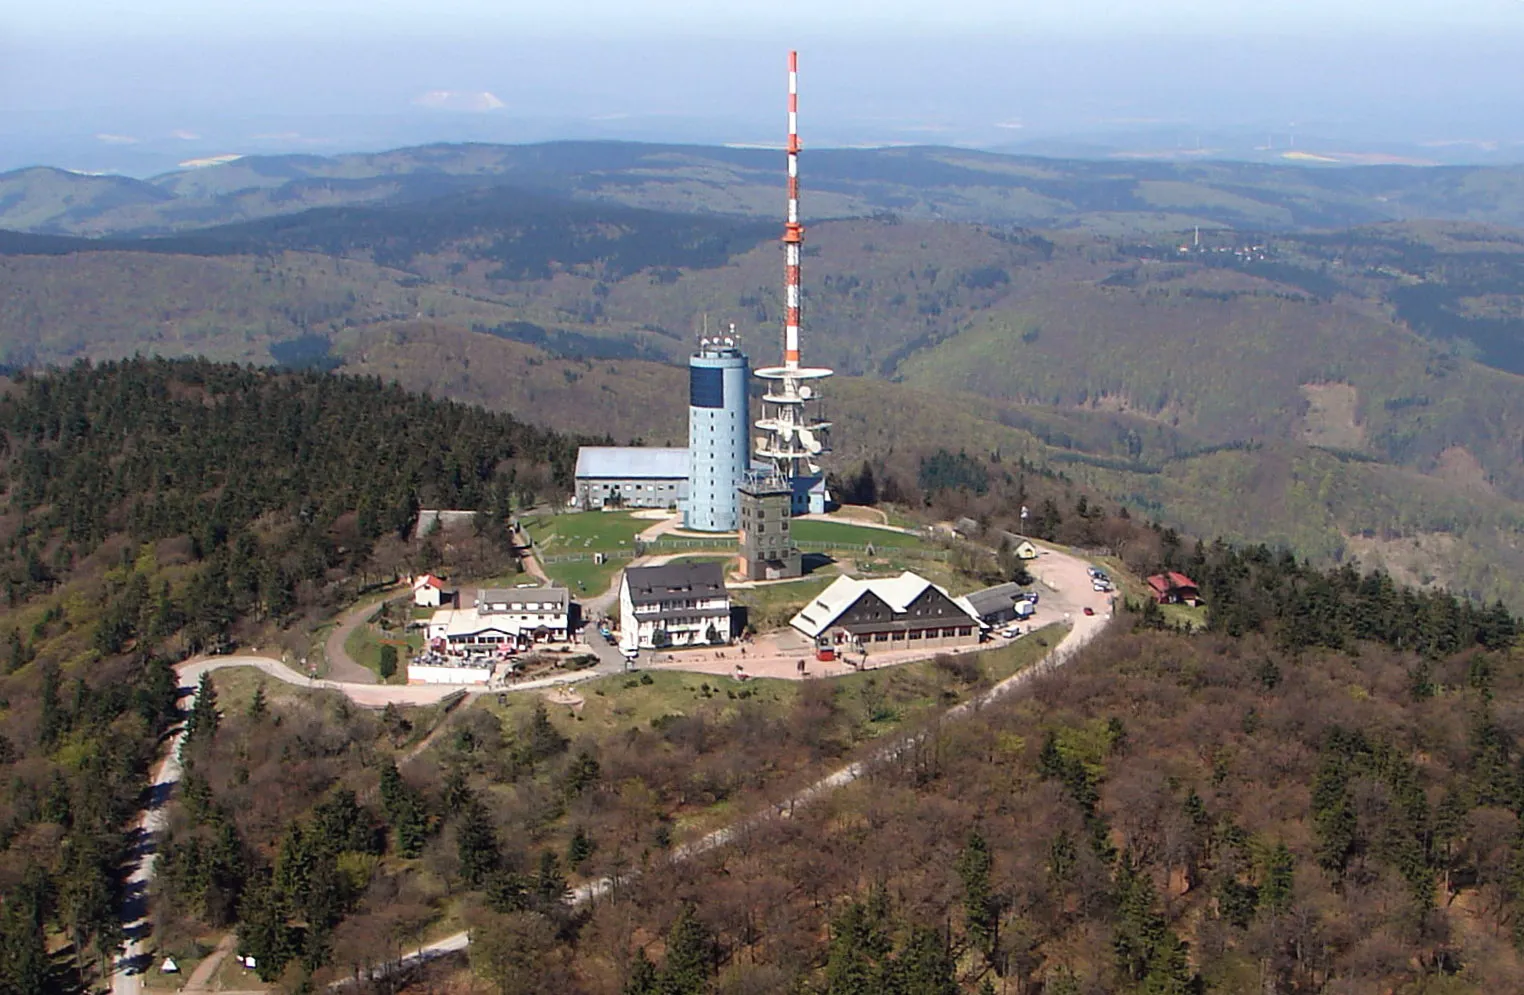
column 388, row 661
column 964, row 669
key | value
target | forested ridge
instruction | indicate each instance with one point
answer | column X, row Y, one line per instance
column 269, row 480
column 155, row 508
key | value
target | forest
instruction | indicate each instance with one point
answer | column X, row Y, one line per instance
column 1317, row 790
column 1173, row 813
column 266, row 485
column 1320, row 790
column 154, row 509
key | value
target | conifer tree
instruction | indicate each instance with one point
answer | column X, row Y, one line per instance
column 981, row 911
column 476, row 845
column 692, row 956
column 258, row 705
column 579, row 848
column 203, row 719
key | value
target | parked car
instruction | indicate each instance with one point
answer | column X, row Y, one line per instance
column 1089, row 610
column 630, row 653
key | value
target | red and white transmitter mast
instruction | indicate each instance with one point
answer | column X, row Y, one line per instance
column 794, row 434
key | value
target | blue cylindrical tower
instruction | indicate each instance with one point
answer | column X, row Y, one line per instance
column 719, row 425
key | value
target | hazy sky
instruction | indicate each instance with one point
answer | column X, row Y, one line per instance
column 212, row 18
column 138, row 86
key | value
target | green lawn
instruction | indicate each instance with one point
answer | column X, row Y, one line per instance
column 1185, row 615
column 584, row 578
column 365, row 642
column 585, row 533
column 853, row 535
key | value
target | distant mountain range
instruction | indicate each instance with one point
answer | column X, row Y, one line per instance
column 915, row 183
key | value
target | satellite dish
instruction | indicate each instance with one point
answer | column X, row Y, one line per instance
column 814, row 468
column 806, row 392
column 811, row 444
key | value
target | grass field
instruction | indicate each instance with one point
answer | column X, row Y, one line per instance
column 586, row 532
column 1185, row 615
column 364, row 647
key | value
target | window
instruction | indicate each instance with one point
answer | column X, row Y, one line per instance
column 899, row 636
column 881, row 637
column 916, row 633
column 964, row 630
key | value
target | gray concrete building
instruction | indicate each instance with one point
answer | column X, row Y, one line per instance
column 631, row 477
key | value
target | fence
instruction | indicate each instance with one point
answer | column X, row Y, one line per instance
column 721, row 545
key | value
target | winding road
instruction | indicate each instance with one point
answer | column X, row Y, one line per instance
column 136, row 957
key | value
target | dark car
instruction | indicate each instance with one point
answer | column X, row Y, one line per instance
column 1089, row 610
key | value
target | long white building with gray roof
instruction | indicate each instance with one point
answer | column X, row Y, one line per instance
column 632, row 477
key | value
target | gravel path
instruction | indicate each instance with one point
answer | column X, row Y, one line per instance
column 342, row 666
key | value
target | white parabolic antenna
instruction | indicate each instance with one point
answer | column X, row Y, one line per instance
column 811, row 444
column 806, row 392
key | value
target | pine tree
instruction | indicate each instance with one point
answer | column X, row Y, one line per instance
column 643, row 978
column 263, row 930
column 692, row 956
column 550, row 883
column 579, row 849
column 203, row 719
column 476, row 845
column 923, row 967
column 456, row 793
column 544, row 740
column 258, row 706
column 24, row 961
column 1169, row 972
column 981, row 911
column 859, row 941
column 582, row 773
column 52, row 721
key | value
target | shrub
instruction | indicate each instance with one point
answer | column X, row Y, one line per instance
column 388, row 661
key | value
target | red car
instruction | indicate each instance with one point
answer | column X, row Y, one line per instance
column 1089, row 610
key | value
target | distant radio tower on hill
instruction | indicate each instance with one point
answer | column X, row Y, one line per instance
column 794, row 431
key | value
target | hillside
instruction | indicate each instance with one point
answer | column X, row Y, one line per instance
column 924, row 183
column 152, row 510
column 1220, row 812
column 1155, row 378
